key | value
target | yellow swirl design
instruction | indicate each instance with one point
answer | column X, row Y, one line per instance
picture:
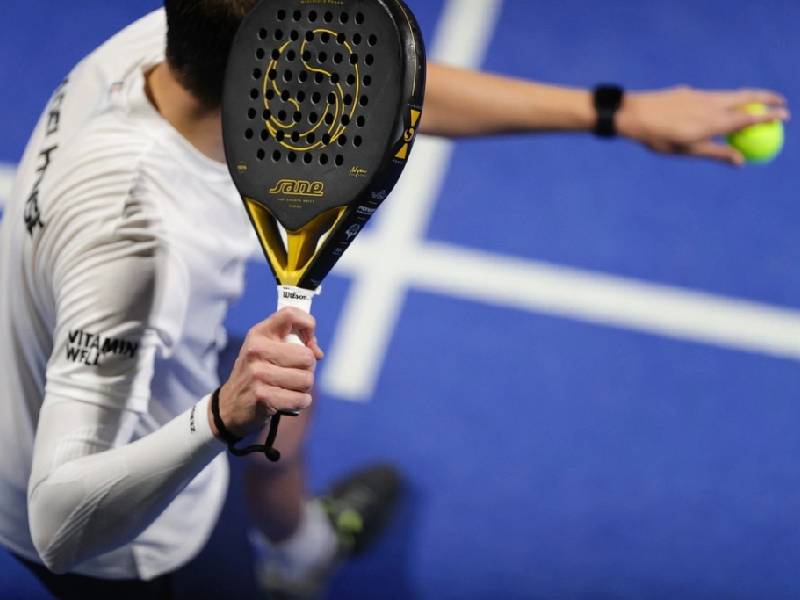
column 336, row 127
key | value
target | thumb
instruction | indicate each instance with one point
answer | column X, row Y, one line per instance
column 314, row 346
column 289, row 320
column 718, row 152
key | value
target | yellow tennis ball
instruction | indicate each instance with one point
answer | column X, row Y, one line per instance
column 758, row 143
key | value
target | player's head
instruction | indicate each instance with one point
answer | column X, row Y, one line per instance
column 200, row 34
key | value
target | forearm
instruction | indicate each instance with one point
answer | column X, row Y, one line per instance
column 681, row 120
column 460, row 102
column 94, row 503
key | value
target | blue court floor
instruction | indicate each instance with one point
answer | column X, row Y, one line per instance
column 549, row 453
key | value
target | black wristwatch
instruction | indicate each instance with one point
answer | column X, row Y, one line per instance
column 607, row 100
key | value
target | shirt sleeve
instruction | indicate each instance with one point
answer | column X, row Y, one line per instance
column 90, row 492
column 119, row 295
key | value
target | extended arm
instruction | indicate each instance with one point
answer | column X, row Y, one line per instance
column 120, row 299
column 86, row 496
column 681, row 120
column 92, row 490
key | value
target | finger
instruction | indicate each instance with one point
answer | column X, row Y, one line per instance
column 740, row 119
column 297, row 380
column 278, row 399
column 306, row 335
column 718, row 152
column 314, row 346
column 286, row 321
column 734, row 120
column 741, row 97
column 260, row 348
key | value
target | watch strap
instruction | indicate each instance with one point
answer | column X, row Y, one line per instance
column 607, row 99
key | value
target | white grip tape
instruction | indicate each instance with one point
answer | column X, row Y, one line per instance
column 295, row 297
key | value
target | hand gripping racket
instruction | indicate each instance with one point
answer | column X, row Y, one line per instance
column 321, row 104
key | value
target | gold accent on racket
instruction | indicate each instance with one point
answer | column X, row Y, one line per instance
column 291, row 261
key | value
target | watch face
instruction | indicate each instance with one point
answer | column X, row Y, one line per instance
column 607, row 100
column 608, row 96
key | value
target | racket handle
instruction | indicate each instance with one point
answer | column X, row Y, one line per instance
column 289, row 295
column 293, row 338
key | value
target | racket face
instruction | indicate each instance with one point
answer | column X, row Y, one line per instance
column 320, row 107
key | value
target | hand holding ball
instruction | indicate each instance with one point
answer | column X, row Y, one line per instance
column 758, row 143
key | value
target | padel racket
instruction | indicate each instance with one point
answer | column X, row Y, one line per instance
column 321, row 104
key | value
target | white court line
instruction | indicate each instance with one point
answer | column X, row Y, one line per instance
column 379, row 287
column 587, row 296
column 6, row 182
column 385, row 262
column 394, row 256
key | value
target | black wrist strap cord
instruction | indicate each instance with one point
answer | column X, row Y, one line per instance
column 231, row 440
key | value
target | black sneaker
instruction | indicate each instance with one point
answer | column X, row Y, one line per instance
column 359, row 508
column 361, row 505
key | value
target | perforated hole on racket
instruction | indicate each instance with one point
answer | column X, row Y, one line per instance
column 320, row 110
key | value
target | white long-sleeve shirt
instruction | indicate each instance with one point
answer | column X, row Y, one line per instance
column 121, row 249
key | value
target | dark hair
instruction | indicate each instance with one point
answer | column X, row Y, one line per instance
column 199, row 38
